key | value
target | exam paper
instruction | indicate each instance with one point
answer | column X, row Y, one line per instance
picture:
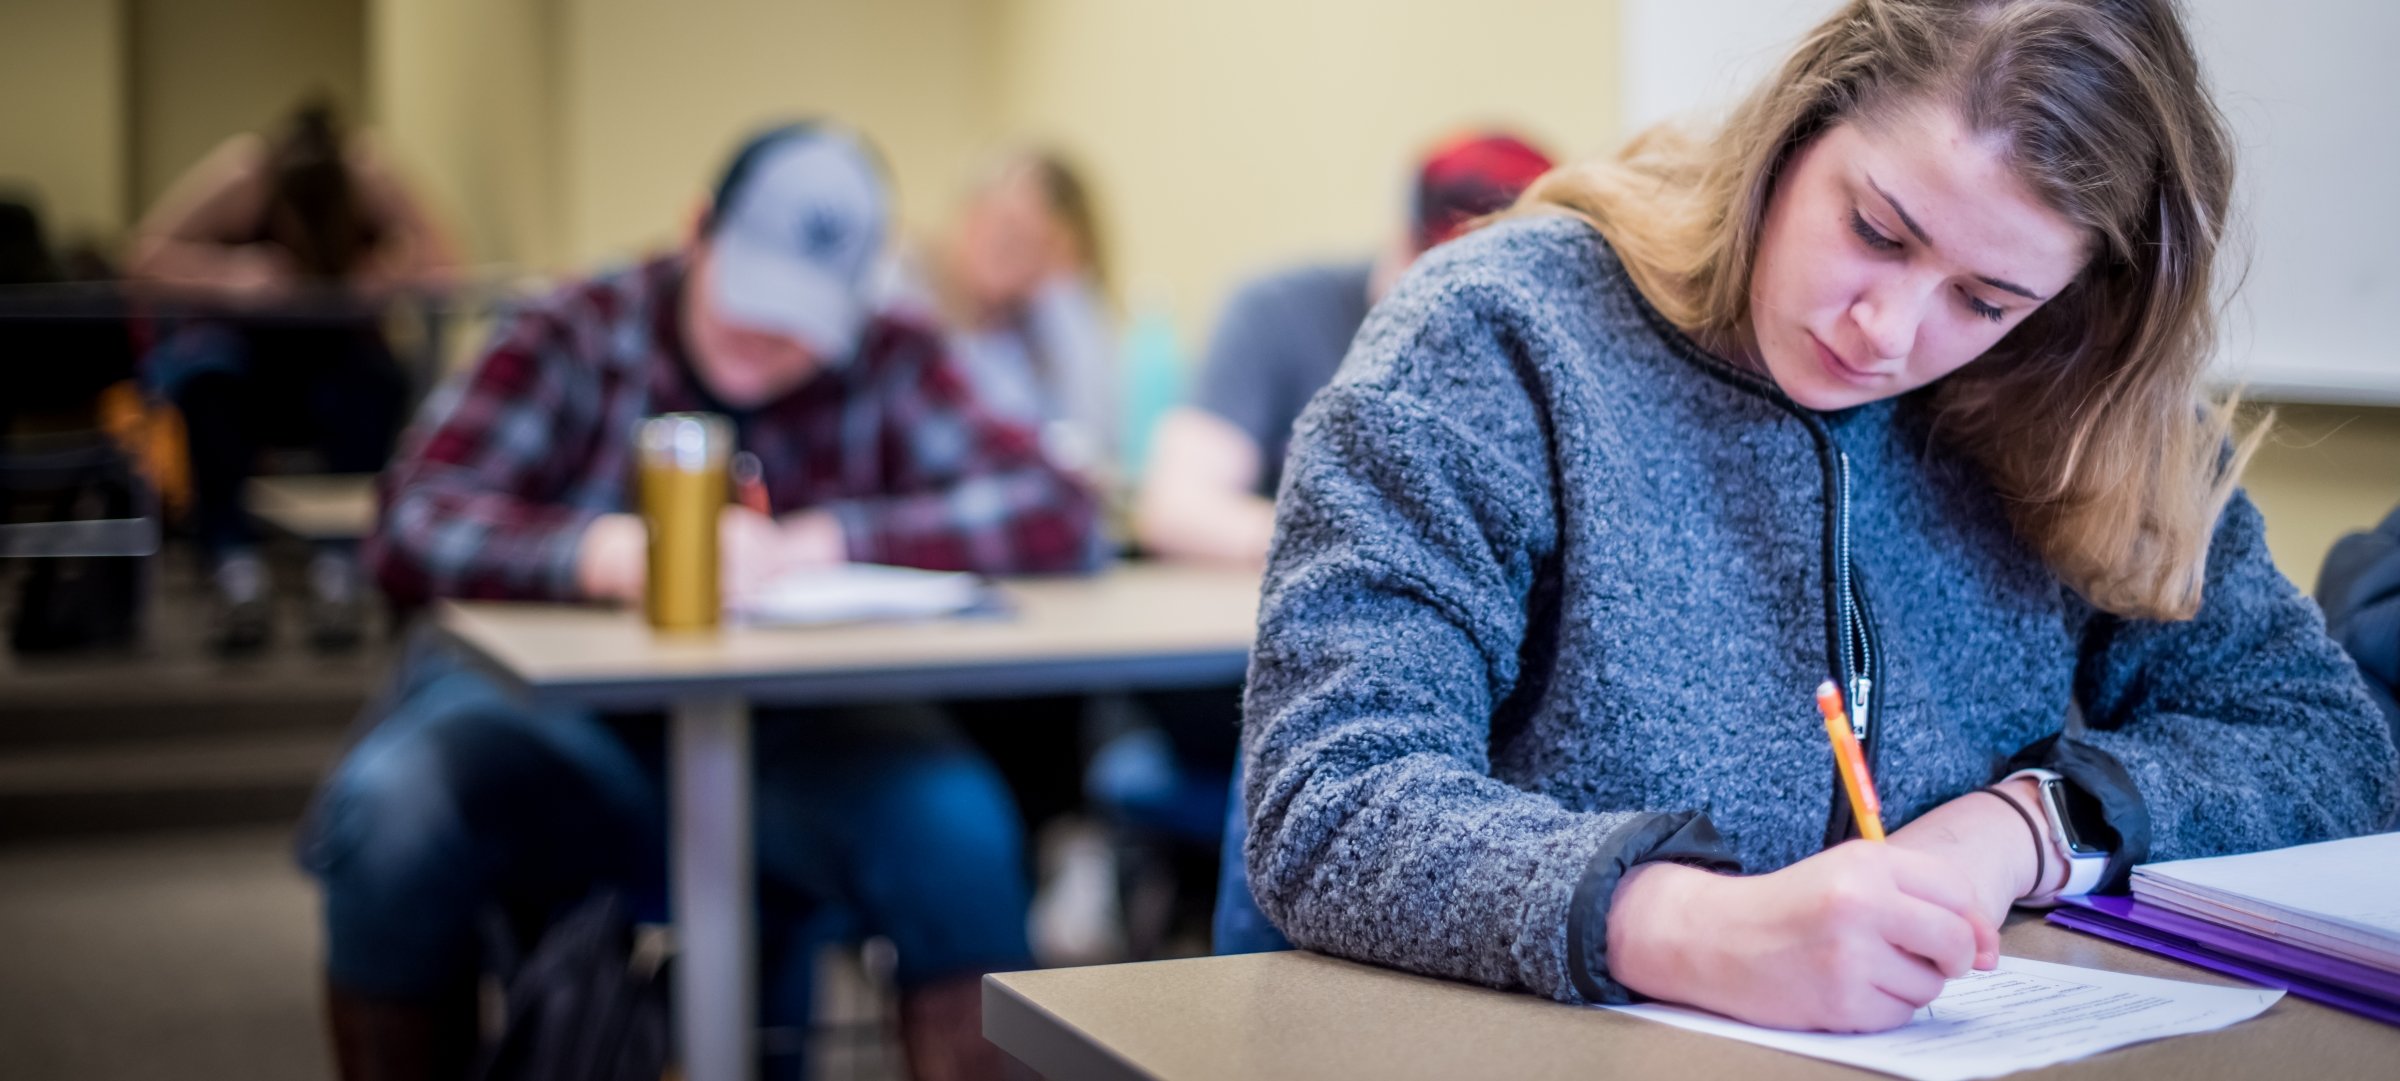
column 855, row 592
column 2018, row 1016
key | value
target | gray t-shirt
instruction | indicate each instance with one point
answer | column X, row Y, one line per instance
column 1281, row 339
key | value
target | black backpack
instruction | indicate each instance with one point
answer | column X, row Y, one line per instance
column 589, row 1004
column 76, row 601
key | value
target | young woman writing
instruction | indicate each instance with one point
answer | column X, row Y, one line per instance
column 1893, row 380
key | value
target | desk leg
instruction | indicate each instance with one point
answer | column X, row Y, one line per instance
column 715, row 965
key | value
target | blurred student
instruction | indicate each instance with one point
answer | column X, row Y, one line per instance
column 1020, row 280
column 514, row 484
column 2359, row 588
column 1209, row 492
column 294, row 239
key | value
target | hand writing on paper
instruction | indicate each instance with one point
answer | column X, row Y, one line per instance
column 612, row 560
column 1852, row 939
column 751, row 551
column 758, row 549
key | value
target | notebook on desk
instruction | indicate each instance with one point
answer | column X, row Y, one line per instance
column 2329, row 980
column 2320, row 920
column 2335, row 897
column 865, row 592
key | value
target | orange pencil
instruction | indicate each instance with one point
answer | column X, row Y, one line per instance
column 1853, row 763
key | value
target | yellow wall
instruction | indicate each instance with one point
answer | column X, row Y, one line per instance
column 2326, row 470
column 62, row 75
column 654, row 97
column 1218, row 148
column 204, row 71
column 463, row 97
column 1228, row 136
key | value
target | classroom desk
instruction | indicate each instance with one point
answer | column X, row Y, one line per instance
column 1137, row 627
column 314, row 507
column 1304, row 1015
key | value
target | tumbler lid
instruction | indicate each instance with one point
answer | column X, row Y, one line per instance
column 685, row 441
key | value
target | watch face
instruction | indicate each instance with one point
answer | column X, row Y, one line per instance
column 2078, row 817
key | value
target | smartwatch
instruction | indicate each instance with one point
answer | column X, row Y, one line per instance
column 2076, row 830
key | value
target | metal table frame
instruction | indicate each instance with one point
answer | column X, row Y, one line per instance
column 709, row 797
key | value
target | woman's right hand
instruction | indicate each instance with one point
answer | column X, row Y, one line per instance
column 1852, row 939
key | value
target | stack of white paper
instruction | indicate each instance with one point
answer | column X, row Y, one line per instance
column 856, row 592
column 2337, row 897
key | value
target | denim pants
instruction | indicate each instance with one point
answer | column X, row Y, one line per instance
column 462, row 805
column 1239, row 926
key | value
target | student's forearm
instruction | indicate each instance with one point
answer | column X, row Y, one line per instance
column 189, row 263
column 1218, row 527
column 1043, row 525
column 1990, row 843
column 403, row 267
column 439, row 540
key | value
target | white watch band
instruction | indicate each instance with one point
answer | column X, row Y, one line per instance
column 2083, row 872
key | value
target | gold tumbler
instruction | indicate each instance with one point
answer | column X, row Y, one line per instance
column 682, row 459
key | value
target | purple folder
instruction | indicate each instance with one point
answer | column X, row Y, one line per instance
column 2336, row 982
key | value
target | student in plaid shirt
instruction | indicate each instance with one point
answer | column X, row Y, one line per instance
column 461, row 801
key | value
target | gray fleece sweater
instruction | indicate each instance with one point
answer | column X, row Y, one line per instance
column 1551, row 590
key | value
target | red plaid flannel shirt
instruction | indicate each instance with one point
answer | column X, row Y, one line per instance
column 492, row 487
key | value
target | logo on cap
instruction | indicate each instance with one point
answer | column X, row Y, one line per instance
column 823, row 234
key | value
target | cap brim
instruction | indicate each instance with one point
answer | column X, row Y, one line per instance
column 767, row 290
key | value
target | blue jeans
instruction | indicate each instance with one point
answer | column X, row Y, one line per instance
column 463, row 804
column 1239, row 926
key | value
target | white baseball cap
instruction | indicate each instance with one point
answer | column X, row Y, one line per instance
column 795, row 229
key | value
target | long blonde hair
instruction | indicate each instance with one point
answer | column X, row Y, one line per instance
column 2088, row 417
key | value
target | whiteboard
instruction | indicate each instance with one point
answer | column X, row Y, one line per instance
column 2308, row 87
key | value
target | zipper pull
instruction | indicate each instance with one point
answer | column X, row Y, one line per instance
column 1858, row 706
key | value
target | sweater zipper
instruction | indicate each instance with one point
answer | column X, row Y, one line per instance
column 1859, row 692
column 1858, row 635
column 1853, row 648
column 1853, row 657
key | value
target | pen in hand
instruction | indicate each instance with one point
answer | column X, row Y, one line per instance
column 1852, row 761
